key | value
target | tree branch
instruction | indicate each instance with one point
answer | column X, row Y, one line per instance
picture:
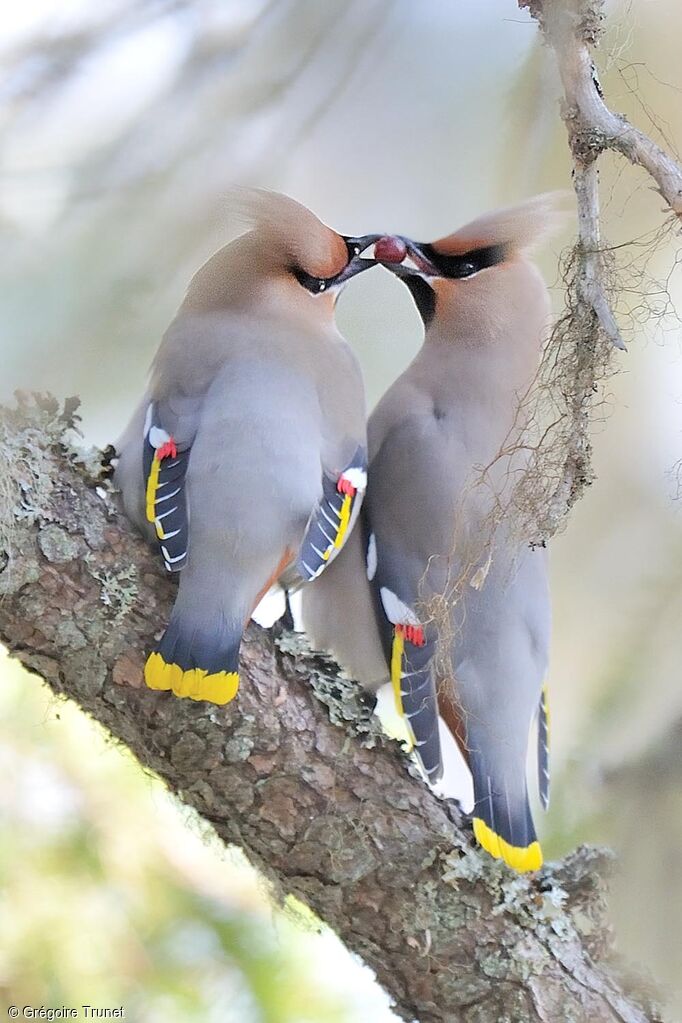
column 568, row 390
column 320, row 802
column 571, row 27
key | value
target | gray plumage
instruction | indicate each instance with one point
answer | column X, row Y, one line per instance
column 264, row 399
column 486, row 313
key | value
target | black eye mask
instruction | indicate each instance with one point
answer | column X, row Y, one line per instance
column 312, row 284
column 356, row 264
column 465, row 264
column 458, row 267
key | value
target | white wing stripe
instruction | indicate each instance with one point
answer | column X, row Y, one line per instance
column 169, row 536
column 166, row 514
column 160, row 500
column 357, row 477
column 371, row 557
column 396, row 611
column 167, row 558
column 331, row 523
column 158, row 437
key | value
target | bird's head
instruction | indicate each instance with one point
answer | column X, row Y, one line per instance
column 286, row 256
column 481, row 273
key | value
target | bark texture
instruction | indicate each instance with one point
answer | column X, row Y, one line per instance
column 294, row 770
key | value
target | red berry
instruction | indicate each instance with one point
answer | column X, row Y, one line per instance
column 390, row 250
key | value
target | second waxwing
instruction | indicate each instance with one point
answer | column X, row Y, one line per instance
column 247, row 454
column 482, row 663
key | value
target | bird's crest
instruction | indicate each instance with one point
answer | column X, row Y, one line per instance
column 515, row 227
column 292, row 229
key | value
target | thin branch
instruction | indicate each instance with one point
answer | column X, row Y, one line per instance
column 590, row 283
column 571, row 27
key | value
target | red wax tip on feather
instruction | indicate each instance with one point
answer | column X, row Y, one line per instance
column 417, row 637
column 390, row 250
column 414, row 634
column 344, row 486
column 167, row 450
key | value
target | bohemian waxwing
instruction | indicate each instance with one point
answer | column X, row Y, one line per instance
column 485, row 310
column 247, row 455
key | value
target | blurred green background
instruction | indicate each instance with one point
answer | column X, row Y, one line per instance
column 123, row 124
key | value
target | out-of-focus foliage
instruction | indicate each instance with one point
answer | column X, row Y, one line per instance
column 123, row 125
column 112, row 894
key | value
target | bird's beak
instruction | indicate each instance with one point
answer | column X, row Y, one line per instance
column 408, row 261
column 404, row 257
column 357, row 262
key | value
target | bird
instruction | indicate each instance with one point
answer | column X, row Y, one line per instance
column 460, row 626
column 246, row 457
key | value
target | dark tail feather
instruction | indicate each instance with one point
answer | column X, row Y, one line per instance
column 196, row 661
column 543, row 748
column 502, row 820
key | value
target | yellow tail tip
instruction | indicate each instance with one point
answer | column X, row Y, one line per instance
column 520, row 858
column 197, row 684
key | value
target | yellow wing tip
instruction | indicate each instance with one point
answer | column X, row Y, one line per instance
column 342, row 529
column 197, row 684
column 545, row 708
column 343, row 521
column 519, row 858
column 397, row 670
column 150, row 494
